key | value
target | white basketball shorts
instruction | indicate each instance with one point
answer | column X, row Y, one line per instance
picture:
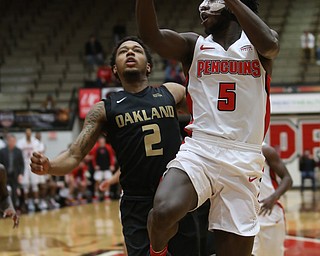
column 229, row 174
column 100, row 175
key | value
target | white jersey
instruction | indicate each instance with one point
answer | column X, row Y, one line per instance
column 27, row 149
column 269, row 184
column 229, row 91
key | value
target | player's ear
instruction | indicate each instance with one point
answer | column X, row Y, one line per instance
column 114, row 70
column 148, row 68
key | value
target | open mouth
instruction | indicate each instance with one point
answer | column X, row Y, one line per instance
column 130, row 61
column 204, row 16
column 215, row 9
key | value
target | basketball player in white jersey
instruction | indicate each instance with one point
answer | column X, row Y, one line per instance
column 276, row 180
column 228, row 75
column 29, row 144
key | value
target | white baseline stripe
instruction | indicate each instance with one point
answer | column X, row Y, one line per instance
column 304, row 239
column 110, row 253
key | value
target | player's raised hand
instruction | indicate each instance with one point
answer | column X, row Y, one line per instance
column 39, row 164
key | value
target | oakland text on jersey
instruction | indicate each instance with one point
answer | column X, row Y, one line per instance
column 142, row 115
column 246, row 67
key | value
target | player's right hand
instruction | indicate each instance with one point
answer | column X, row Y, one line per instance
column 39, row 164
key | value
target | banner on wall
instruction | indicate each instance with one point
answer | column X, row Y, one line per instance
column 35, row 119
column 295, row 103
column 87, row 98
column 293, row 135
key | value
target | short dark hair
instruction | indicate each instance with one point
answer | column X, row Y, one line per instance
column 130, row 38
column 252, row 4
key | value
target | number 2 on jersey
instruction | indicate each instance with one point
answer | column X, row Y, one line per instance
column 151, row 139
column 227, row 97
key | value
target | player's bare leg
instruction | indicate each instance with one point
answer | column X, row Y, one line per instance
column 231, row 244
column 174, row 198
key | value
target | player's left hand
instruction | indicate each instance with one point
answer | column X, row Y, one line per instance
column 267, row 205
column 10, row 212
column 105, row 185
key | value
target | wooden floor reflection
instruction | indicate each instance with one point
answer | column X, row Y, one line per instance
column 74, row 230
column 93, row 228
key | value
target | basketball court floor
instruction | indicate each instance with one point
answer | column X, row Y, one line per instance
column 94, row 229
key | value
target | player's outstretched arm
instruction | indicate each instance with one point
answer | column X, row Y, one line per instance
column 276, row 164
column 70, row 159
column 167, row 43
column 264, row 39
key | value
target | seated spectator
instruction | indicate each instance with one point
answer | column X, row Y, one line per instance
column 77, row 183
column 173, row 72
column 62, row 116
column 93, row 52
column 49, row 103
column 318, row 49
column 307, row 45
column 307, row 166
column 104, row 76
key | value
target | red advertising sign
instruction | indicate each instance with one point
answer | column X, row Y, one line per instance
column 87, row 98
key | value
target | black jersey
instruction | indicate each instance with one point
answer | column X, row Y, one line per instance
column 143, row 129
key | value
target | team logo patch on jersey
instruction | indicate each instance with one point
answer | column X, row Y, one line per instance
column 202, row 48
column 246, row 48
column 156, row 95
column 251, row 179
column 119, row 101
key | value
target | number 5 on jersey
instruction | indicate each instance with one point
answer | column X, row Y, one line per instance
column 227, row 97
column 151, row 139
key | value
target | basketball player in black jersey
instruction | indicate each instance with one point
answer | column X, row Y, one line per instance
column 142, row 126
column 6, row 206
